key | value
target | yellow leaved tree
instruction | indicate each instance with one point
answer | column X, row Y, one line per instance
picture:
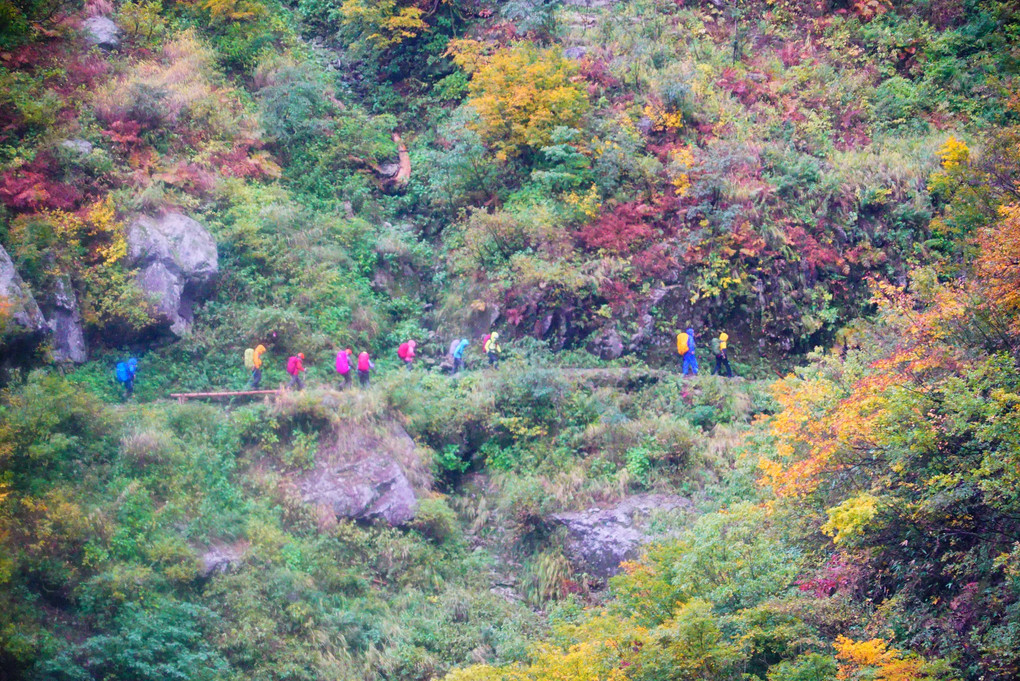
column 381, row 24
column 875, row 660
column 521, row 93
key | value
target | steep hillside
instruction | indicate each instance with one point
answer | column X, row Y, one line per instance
column 835, row 184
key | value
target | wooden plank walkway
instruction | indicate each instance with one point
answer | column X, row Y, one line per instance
column 181, row 397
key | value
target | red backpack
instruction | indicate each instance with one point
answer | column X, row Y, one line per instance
column 402, row 350
column 292, row 364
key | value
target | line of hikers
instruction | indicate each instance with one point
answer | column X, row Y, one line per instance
column 347, row 364
column 685, row 347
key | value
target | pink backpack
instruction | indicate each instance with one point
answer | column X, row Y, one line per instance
column 343, row 362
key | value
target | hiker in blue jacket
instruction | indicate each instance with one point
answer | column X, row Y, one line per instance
column 690, row 365
column 125, row 374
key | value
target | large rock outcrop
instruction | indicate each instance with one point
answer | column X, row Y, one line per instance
column 24, row 317
column 101, row 32
column 177, row 264
column 371, row 472
column 599, row 539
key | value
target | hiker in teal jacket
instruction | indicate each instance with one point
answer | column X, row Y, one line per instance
column 458, row 355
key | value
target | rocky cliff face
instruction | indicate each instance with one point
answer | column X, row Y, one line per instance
column 372, row 471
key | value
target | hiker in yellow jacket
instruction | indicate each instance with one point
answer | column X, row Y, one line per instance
column 253, row 362
column 492, row 348
column 719, row 346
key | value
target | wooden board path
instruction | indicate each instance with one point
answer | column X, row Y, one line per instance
column 187, row 396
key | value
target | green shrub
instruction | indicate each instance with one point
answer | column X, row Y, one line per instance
column 807, row 667
column 168, row 641
column 436, row 521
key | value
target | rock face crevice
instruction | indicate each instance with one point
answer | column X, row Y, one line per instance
column 370, row 472
column 599, row 539
column 177, row 265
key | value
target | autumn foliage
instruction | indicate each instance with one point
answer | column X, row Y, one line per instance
column 521, row 94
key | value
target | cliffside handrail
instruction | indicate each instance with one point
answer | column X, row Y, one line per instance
column 181, row 397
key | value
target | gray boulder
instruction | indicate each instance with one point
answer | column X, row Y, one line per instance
column 101, row 32
column 177, row 264
column 25, row 314
column 599, row 539
column 78, row 147
column 65, row 323
column 607, row 344
column 369, row 474
column 221, row 558
column 575, row 53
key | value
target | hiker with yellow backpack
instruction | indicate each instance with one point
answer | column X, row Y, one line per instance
column 253, row 363
column 721, row 360
column 685, row 348
column 492, row 348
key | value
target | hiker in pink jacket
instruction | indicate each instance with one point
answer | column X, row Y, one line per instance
column 343, row 367
column 406, row 353
column 364, row 367
column 296, row 367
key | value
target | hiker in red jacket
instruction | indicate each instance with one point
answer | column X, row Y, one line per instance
column 406, row 353
column 365, row 365
column 295, row 367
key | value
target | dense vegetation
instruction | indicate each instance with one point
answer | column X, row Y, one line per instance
column 836, row 184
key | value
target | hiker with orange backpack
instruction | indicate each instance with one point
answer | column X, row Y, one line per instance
column 295, row 367
column 253, row 363
column 406, row 353
column 685, row 348
column 343, row 366
column 365, row 367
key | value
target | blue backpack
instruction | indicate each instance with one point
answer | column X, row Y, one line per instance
column 123, row 372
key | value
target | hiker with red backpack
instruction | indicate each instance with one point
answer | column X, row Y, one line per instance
column 365, row 366
column 343, row 367
column 406, row 353
column 295, row 367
